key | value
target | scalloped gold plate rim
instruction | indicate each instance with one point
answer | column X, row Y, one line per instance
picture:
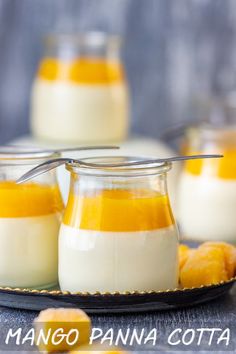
column 97, row 293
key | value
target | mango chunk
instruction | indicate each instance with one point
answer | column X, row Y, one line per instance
column 204, row 266
column 98, row 348
column 94, row 349
column 64, row 329
column 229, row 253
column 183, row 255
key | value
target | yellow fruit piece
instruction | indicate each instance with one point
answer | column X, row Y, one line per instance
column 229, row 253
column 96, row 351
column 64, row 329
column 98, row 348
column 183, row 255
column 204, row 266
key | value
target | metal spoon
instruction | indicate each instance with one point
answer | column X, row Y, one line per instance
column 51, row 164
column 48, row 151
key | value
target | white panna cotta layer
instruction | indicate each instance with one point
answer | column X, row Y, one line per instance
column 93, row 112
column 28, row 251
column 206, row 208
column 91, row 261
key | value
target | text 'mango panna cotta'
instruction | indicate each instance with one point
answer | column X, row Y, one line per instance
column 117, row 240
column 207, row 198
column 29, row 225
column 81, row 97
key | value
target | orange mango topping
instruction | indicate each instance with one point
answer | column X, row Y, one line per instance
column 61, row 321
column 119, row 210
column 81, row 70
column 224, row 168
column 28, row 199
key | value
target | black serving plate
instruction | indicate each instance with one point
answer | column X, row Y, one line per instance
column 112, row 302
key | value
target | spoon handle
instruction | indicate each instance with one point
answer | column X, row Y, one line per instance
column 31, row 150
column 148, row 162
column 51, row 164
column 84, row 148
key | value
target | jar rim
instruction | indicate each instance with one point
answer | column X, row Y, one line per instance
column 23, row 153
column 119, row 166
column 89, row 38
column 210, row 131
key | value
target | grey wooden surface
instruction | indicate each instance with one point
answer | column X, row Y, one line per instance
column 174, row 51
column 219, row 313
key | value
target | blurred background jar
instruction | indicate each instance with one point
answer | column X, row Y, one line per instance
column 207, row 190
column 80, row 93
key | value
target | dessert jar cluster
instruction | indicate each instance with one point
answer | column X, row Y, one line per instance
column 118, row 232
column 30, row 216
column 207, row 192
column 80, row 92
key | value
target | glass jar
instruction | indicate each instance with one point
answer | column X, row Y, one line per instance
column 80, row 93
column 30, row 215
column 118, row 232
column 207, row 194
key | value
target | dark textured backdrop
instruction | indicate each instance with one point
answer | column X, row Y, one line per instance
column 174, row 51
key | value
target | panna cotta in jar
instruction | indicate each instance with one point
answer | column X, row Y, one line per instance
column 207, row 192
column 118, row 232
column 80, row 93
column 30, row 215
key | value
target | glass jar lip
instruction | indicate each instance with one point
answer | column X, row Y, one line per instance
column 88, row 38
column 106, row 166
column 22, row 153
column 210, row 131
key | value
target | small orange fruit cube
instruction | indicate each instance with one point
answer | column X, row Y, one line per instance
column 98, row 348
column 229, row 253
column 183, row 255
column 61, row 329
column 204, row 266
